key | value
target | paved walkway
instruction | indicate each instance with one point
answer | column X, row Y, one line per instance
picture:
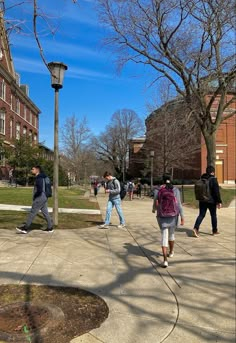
column 191, row 301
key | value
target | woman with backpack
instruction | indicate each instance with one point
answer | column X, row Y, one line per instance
column 168, row 205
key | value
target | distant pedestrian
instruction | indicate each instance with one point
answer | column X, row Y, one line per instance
column 39, row 202
column 211, row 203
column 168, row 205
column 139, row 189
column 130, row 189
column 113, row 189
column 95, row 188
column 11, row 176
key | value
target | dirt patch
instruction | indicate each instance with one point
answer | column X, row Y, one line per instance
column 46, row 314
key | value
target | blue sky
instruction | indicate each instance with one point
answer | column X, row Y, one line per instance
column 92, row 86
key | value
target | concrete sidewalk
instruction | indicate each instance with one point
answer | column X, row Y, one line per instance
column 191, row 301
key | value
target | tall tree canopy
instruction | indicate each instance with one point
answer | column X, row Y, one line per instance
column 189, row 42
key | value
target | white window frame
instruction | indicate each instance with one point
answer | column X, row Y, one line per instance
column 3, row 90
column 17, row 106
column 18, row 131
column 2, row 122
column 11, row 128
column 30, row 118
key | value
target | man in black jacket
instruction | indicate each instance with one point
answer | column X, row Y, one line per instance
column 213, row 203
column 39, row 202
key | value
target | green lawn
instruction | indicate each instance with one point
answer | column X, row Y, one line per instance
column 68, row 198
column 227, row 196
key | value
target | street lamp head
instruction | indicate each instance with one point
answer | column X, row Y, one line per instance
column 57, row 70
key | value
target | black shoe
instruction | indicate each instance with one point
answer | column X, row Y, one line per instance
column 49, row 229
column 22, row 229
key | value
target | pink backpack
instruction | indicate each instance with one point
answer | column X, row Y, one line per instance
column 167, row 203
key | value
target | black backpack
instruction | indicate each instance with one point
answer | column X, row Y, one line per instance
column 202, row 190
column 47, row 187
column 122, row 189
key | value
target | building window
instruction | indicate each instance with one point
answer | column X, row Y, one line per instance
column 11, row 128
column 17, row 130
column 2, row 122
column 30, row 119
column 25, row 111
column 11, row 102
column 35, row 138
column 2, row 90
column 24, row 131
column 30, row 136
column 18, row 106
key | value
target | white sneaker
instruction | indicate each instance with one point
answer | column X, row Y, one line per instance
column 164, row 264
column 103, row 226
column 171, row 254
column 121, row 226
column 22, row 229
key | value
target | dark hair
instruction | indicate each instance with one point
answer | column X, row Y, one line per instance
column 210, row 169
column 106, row 174
column 167, row 180
column 38, row 167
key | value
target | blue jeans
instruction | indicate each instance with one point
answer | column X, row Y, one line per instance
column 203, row 206
column 110, row 204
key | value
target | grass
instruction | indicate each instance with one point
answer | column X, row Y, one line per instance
column 68, row 198
column 227, row 195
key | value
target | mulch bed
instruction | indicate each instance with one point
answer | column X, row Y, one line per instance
column 47, row 314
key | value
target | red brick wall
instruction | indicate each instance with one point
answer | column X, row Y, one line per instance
column 225, row 148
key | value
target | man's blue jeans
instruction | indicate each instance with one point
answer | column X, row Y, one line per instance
column 203, row 206
column 110, row 204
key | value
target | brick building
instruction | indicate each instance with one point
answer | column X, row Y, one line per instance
column 19, row 116
column 139, row 156
column 225, row 147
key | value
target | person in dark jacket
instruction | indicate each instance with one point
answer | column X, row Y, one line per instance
column 39, row 202
column 212, row 204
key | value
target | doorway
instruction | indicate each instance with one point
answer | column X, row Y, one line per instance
column 220, row 171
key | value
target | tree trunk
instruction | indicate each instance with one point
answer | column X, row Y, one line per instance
column 210, row 141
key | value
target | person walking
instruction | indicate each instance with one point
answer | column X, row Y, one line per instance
column 212, row 203
column 139, row 190
column 39, row 202
column 168, row 205
column 11, row 179
column 130, row 190
column 95, row 188
column 113, row 189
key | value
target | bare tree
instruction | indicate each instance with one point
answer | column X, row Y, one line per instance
column 39, row 18
column 168, row 135
column 74, row 138
column 189, row 42
column 171, row 134
column 113, row 144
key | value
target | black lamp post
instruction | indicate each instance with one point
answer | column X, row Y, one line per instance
column 152, row 153
column 57, row 70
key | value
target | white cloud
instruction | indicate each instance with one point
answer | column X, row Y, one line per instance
column 53, row 47
column 37, row 67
